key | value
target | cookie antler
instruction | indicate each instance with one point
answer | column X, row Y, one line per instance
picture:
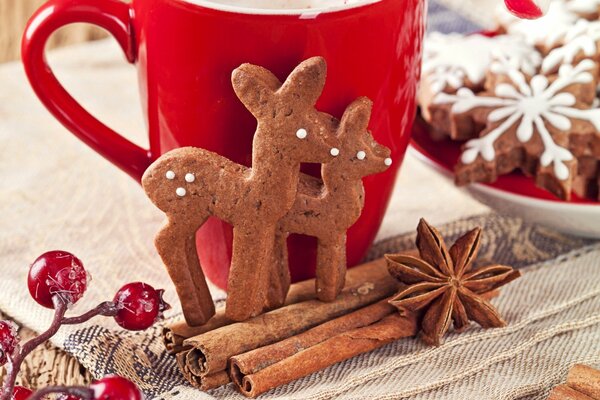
column 305, row 84
column 356, row 118
column 255, row 86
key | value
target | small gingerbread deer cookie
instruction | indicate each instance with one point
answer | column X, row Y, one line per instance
column 327, row 214
column 190, row 184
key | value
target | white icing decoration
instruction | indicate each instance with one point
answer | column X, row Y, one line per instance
column 170, row 175
column 361, row 155
column 546, row 30
column 180, row 192
column 584, row 6
column 522, row 57
column 334, row 151
column 387, row 161
column 189, row 178
column 581, row 38
column 301, row 133
column 533, row 107
column 450, row 59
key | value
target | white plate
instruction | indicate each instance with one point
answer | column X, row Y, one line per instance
column 575, row 219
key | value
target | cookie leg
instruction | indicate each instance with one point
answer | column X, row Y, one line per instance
column 248, row 275
column 181, row 261
column 331, row 267
column 280, row 274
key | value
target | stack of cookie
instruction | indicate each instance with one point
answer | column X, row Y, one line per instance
column 524, row 99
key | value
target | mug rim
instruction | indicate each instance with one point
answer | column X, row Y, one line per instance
column 301, row 12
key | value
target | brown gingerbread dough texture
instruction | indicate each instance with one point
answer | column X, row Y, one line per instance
column 190, row 184
column 328, row 212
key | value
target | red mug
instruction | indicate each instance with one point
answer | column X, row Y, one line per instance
column 185, row 51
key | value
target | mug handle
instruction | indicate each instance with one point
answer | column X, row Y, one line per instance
column 116, row 17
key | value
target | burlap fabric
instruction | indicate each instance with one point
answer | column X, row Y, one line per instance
column 56, row 193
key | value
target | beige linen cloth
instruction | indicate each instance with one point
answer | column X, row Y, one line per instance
column 55, row 193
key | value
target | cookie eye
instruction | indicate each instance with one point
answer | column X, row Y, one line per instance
column 189, row 178
column 361, row 155
column 170, row 175
column 301, row 133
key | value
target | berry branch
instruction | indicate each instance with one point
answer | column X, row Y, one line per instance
column 106, row 309
column 57, row 280
column 66, row 392
column 18, row 354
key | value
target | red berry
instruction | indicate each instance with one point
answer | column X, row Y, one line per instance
column 114, row 387
column 21, row 393
column 140, row 306
column 57, row 273
column 527, row 9
column 8, row 340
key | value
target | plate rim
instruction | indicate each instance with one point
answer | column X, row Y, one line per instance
column 414, row 148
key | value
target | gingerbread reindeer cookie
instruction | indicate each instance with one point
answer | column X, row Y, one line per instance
column 190, row 184
column 328, row 213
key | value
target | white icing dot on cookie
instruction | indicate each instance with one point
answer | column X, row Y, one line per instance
column 189, row 178
column 361, row 155
column 301, row 133
column 170, row 175
column 334, row 151
column 387, row 161
column 180, row 192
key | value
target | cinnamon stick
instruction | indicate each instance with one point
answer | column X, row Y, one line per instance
column 329, row 352
column 175, row 334
column 564, row 392
column 583, row 383
column 205, row 382
column 585, row 380
column 255, row 360
column 211, row 350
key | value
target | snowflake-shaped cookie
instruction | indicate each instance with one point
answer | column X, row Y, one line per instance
column 537, row 116
column 452, row 61
column 579, row 41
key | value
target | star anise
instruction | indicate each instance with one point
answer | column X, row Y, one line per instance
column 444, row 286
